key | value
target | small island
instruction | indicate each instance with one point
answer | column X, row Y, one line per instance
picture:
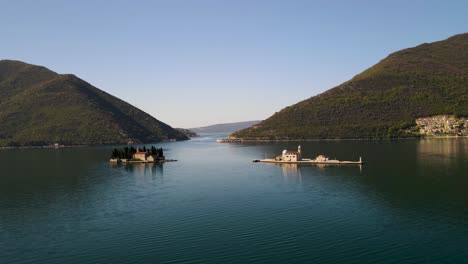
column 295, row 157
column 137, row 155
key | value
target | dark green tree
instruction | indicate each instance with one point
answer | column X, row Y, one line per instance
column 115, row 154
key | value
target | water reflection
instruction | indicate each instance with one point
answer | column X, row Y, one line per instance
column 297, row 171
column 291, row 172
column 441, row 158
column 145, row 169
column 443, row 152
column 290, row 169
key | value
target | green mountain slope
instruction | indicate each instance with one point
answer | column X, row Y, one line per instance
column 40, row 107
column 383, row 101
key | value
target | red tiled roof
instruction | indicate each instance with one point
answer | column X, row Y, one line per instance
column 292, row 153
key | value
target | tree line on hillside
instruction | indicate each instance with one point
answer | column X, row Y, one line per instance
column 128, row 152
column 382, row 102
column 77, row 123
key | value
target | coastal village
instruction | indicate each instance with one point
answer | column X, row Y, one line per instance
column 442, row 125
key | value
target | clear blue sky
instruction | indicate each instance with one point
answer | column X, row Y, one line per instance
column 194, row 63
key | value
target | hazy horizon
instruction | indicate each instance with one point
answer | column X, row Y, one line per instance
column 198, row 63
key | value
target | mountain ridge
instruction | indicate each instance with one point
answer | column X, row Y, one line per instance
column 40, row 107
column 382, row 101
column 224, row 127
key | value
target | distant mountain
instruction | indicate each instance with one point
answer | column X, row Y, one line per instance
column 41, row 107
column 383, row 101
column 187, row 132
column 224, row 128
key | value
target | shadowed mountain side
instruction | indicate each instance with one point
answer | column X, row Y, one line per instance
column 41, row 107
column 187, row 132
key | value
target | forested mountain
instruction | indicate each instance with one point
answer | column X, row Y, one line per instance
column 383, row 101
column 187, row 132
column 41, row 107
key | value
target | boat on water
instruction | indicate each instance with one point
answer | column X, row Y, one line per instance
column 295, row 157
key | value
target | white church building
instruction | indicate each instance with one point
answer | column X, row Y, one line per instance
column 290, row 155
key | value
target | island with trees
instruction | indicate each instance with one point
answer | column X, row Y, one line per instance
column 137, row 155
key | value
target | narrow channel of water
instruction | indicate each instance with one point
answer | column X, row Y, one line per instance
column 408, row 203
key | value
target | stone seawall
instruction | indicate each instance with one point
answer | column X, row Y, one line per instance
column 441, row 125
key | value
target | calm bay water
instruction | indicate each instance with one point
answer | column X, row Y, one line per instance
column 407, row 204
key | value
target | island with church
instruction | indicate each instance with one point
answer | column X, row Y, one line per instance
column 137, row 155
column 295, row 157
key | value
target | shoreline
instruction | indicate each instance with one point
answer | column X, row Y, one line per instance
column 237, row 140
column 141, row 161
column 226, row 140
column 88, row 145
column 48, row 147
column 311, row 161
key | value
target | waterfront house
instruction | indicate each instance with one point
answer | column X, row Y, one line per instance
column 145, row 156
column 141, row 155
